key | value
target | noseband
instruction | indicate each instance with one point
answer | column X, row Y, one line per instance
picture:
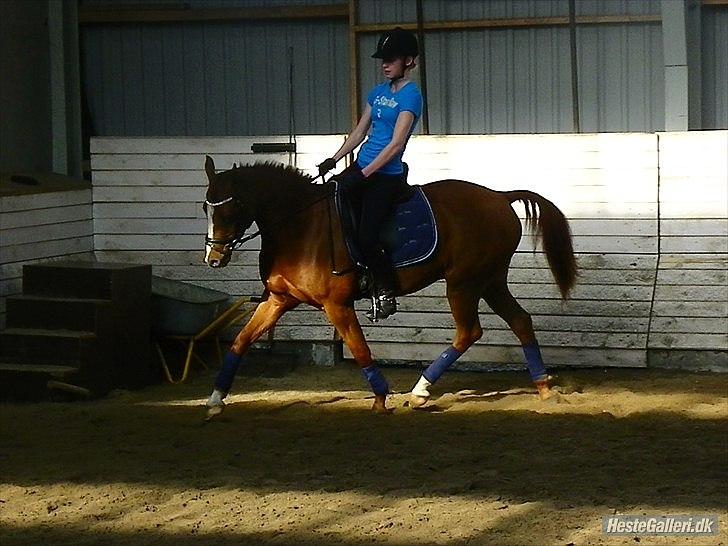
column 231, row 243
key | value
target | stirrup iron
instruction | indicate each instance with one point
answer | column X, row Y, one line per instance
column 383, row 306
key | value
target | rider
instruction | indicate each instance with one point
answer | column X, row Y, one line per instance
column 375, row 179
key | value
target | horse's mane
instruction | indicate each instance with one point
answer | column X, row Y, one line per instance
column 275, row 169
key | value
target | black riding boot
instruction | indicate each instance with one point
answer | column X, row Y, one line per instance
column 384, row 287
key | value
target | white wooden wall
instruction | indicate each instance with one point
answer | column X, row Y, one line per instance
column 648, row 212
column 41, row 227
column 691, row 294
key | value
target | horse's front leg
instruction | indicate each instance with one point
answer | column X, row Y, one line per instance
column 347, row 324
column 264, row 318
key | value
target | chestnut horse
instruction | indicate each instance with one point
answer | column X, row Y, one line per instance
column 301, row 238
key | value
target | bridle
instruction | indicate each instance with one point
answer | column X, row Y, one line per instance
column 233, row 242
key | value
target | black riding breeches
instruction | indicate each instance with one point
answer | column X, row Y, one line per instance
column 372, row 199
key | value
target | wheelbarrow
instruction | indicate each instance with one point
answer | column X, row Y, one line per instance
column 190, row 313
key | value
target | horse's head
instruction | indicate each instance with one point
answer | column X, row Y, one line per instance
column 227, row 219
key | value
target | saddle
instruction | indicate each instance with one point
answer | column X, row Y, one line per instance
column 408, row 236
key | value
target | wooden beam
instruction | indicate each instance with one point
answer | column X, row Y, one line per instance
column 716, row 3
column 101, row 15
column 354, row 83
column 517, row 23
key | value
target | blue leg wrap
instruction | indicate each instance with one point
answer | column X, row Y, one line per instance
column 230, row 365
column 376, row 379
column 534, row 361
column 443, row 362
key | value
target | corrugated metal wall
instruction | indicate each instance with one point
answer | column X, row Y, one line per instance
column 519, row 80
column 216, row 78
column 232, row 78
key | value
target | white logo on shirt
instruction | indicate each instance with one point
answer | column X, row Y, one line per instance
column 384, row 101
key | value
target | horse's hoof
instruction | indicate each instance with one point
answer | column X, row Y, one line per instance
column 380, row 405
column 544, row 391
column 418, row 401
column 214, row 411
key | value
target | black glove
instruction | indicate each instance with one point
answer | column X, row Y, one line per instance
column 326, row 165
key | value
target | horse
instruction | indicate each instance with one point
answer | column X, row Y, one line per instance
column 478, row 233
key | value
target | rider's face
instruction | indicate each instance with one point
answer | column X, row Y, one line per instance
column 393, row 68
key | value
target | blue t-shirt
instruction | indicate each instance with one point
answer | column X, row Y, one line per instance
column 386, row 107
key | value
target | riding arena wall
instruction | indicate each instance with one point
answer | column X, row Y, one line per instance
column 649, row 214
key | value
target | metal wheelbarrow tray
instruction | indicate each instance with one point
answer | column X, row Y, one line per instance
column 183, row 309
column 190, row 313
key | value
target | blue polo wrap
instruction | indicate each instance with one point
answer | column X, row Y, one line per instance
column 225, row 378
column 433, row 372
column 534, row 361
column 376, row 379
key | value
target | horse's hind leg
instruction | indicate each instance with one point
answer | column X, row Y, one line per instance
column 500, row 299
column 463, row 300
column 346, row 323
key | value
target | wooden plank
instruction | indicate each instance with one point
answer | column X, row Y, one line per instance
column 51, row 232
column 160, row 195
column 693, row 277
column 605, row 244
column 490, row 356
column 148, row 210
column 197, row 226
column 169, row 177
column 196, row 162
column 110, row 15
column 581, row 291
column 586, row 276
column 693, row 226
column 204, row 272
column 624, row 340
column 168, row 257
column 694, row 209
column 618, row 308
column 490, row 322
column 306, row 144
column 563, row 143
column 519, row 22
column 689, row 293
column 682, row 151
column 697, row 244
column 37, row 201
column 694, row 261
column 47, row 249
column 696, row 341
column 689, row 325
column 590, row 261
column 10, row 220
column 158, row 242
column 307, row 333
column 689, row 309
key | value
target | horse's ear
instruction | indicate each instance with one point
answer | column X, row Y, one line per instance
column 209, row 168
column 234, row 166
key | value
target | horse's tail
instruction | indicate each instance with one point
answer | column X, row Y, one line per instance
column 544, row 219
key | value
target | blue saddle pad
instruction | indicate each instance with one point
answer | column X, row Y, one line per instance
column 409, row 236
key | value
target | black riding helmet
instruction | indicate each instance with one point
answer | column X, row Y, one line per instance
column 396, row 43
